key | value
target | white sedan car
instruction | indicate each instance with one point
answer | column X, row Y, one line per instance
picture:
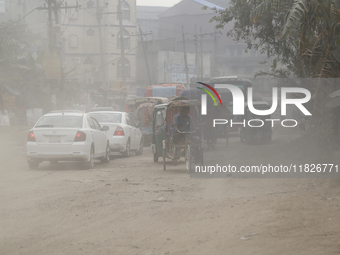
column 67, row 136
column 124, row 135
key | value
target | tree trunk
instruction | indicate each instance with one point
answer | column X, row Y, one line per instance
column 1, row 102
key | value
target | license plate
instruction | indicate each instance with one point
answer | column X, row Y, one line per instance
column 54, row 139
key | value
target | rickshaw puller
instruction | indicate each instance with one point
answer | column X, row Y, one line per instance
column 182, row 122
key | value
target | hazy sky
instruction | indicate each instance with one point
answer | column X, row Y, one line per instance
column 158, row 2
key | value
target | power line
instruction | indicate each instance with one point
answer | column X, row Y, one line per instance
column 109, row 62
column 19, row 19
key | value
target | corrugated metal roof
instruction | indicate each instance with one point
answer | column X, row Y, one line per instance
column 222, row 3
column 150, row 12
column 208, row 4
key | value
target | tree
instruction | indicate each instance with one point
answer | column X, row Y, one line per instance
column 18, row 69
column 23, row 69
column 303, row 36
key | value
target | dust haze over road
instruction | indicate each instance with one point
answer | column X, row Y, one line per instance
column 132, row 206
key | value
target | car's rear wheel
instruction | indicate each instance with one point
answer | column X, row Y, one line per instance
column 106, row 158
column 155, row 158
column 126, row 153
column 90, row 164
column 188, row 162
column 140, row 149
column 164, row 157
column 33, row 164
column 53, row 162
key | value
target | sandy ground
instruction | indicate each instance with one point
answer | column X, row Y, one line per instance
column 132, row 206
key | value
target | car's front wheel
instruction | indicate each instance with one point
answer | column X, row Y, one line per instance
column 106, row 158
column 90, row 164
column 140, row 149
column 126, row 153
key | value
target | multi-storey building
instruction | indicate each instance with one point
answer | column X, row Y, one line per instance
column 92, row 41
column 228, row 57
column 89, row 36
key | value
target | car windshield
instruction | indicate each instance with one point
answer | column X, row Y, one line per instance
column 60, row 121
column 107, row 117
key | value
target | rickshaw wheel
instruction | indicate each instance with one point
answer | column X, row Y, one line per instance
column 201, row 157
column 164, row 155
column 241, row 136
column 213, row 143
column 188, row 159
column 155, row 158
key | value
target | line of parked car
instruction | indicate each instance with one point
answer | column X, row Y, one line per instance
column 84, row 137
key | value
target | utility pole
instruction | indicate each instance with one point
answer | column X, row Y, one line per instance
column 200, row 62
column 201, row 45
column 185, row 58
column 175, row 36
column 215, row 53
column 50, row 28
column 145, row 56
column 164, row 73
column 196, row 52
column 53, row 6
column 101, row 47
column 122, row 52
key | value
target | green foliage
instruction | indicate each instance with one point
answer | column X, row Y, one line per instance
column 301, row 35
column 24, row 71
column 15, row 60
column 258, row 24
column 14, row 41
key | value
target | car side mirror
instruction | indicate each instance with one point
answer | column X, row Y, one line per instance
column 105, row 128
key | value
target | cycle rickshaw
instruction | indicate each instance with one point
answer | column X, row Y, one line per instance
column 172, row 143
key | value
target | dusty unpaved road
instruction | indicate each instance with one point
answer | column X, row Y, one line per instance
column 132, row 206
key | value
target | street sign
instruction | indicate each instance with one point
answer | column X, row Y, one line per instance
column 179, row 68
column 180, row 77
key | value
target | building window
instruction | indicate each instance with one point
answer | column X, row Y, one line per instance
column 125, row 10
column 90, row 4
column 126, row 39
column 127, row 68
column 74, row 41
column 90, row 32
